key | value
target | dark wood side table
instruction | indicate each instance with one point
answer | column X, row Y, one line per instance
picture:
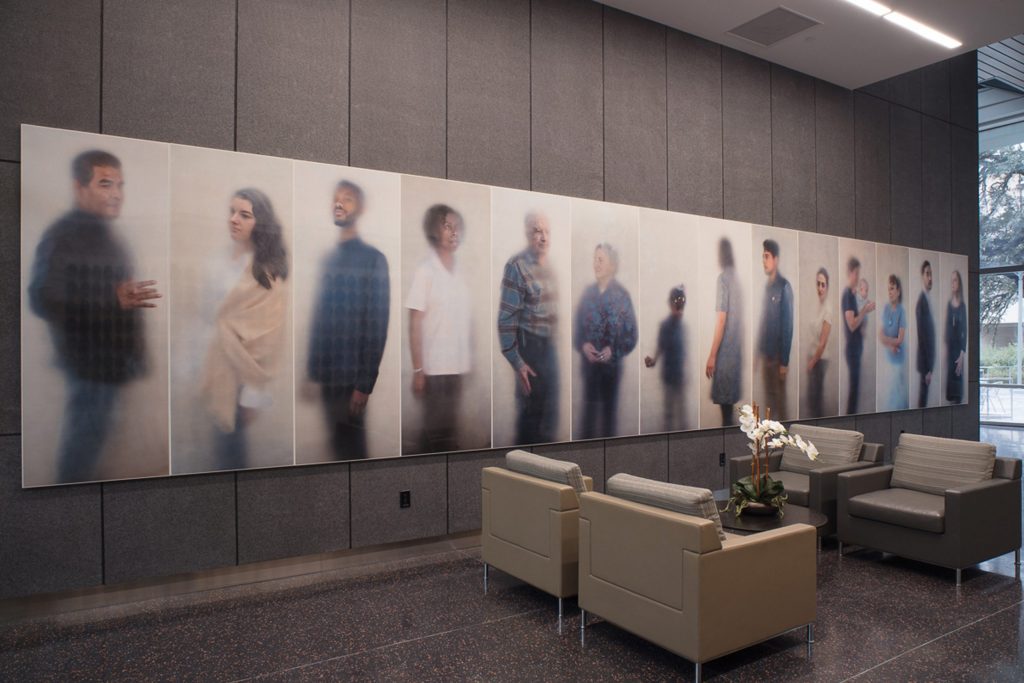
column 752, row 524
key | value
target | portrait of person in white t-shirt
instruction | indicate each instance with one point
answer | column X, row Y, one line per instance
column 440, row 330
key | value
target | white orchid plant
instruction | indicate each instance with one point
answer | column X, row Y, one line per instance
column 765, row 436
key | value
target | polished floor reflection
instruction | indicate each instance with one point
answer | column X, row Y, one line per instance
column 1009, row 441
column 424, row 617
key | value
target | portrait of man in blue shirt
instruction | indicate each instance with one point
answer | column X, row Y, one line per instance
column 775, row 340
column 350, row 326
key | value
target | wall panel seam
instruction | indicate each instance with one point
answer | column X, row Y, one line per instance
column 234, row 143
column 99, row 127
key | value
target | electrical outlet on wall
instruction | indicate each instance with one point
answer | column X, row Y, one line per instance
column 404, row 499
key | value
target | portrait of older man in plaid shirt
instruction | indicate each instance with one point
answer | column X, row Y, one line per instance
column 527, row 326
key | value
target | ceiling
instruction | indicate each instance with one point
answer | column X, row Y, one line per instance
column 850, row 47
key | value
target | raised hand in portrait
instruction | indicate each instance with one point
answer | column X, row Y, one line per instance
column 137, row 294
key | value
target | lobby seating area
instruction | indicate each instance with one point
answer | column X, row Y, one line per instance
column 639, row 582
column 420, row 614
column 664, row 592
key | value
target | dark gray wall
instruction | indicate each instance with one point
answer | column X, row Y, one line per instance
column 561, row 96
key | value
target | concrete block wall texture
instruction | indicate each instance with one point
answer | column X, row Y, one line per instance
column 560, row 96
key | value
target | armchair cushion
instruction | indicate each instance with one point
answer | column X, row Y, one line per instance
column 835, row 447
column 557, row 471
column 932, row 464
column 688, row 500
column 902, row 507
column 797, row 485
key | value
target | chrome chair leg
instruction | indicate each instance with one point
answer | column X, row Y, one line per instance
column 559, row 609
column 697, row 672
column 840, row 548
column 486, row 568
column 583, row 619
column 810, row 633
column 958, row 577
column 1016, row 557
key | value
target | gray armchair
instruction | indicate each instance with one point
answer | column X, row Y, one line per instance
column 814, row 485
column 949, row 524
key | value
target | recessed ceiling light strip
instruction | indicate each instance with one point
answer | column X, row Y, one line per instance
column 903, row 21
column 920, row 29
column 876, row 8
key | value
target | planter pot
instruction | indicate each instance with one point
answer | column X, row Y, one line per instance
column 760, row 509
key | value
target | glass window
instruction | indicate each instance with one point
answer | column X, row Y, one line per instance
column 1002, row 389
column 1001, row 252
column 1001, row 206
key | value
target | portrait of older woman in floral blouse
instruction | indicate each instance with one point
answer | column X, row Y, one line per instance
column 605, row 333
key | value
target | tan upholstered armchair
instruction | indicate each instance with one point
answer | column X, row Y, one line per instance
column 669, row 578
column 814, row 484
column 945, row 502
column 531, row 524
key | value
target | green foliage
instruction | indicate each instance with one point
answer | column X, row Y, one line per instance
column 1000, row 357
column 772, row 493
column 1001, row 225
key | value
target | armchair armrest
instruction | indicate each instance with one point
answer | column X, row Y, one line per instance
column 872, row 452
column 784, row 594
column 863, row 481
column 1006, row 468
column 977, row 507
column 824, row 483
column 985, row 516
column 588, row 482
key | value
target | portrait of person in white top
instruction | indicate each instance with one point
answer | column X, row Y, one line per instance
column 819, row 331
column 440, row 330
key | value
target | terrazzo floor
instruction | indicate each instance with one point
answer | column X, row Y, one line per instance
column 425, row 618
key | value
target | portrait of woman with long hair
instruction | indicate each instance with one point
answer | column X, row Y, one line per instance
column 248, row 324
column 956, row 340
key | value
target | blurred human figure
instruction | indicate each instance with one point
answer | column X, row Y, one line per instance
column 775, row 336
column 818, row 332
column 440, row 329
column 893, row 334
column 672, row 352
column 925, row 335
column 527, row 327
column 854, row 315
column 725, row 365
column 863, row 291
column 350, row 326
column 248, row 340
column 605, row 333
column 956, row 340
column 84, row 287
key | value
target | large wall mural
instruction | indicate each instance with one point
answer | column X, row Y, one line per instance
column 193, row 310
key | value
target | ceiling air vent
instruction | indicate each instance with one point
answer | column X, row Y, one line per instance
column 773, row 26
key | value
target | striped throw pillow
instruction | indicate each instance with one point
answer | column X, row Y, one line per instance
column 931, row 464
column 835, row 447
column 557, row 471
column 688, row 500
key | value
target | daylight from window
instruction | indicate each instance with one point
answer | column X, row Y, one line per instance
column 1001, row 250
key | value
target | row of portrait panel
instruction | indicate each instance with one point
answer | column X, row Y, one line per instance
column 193, row 310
